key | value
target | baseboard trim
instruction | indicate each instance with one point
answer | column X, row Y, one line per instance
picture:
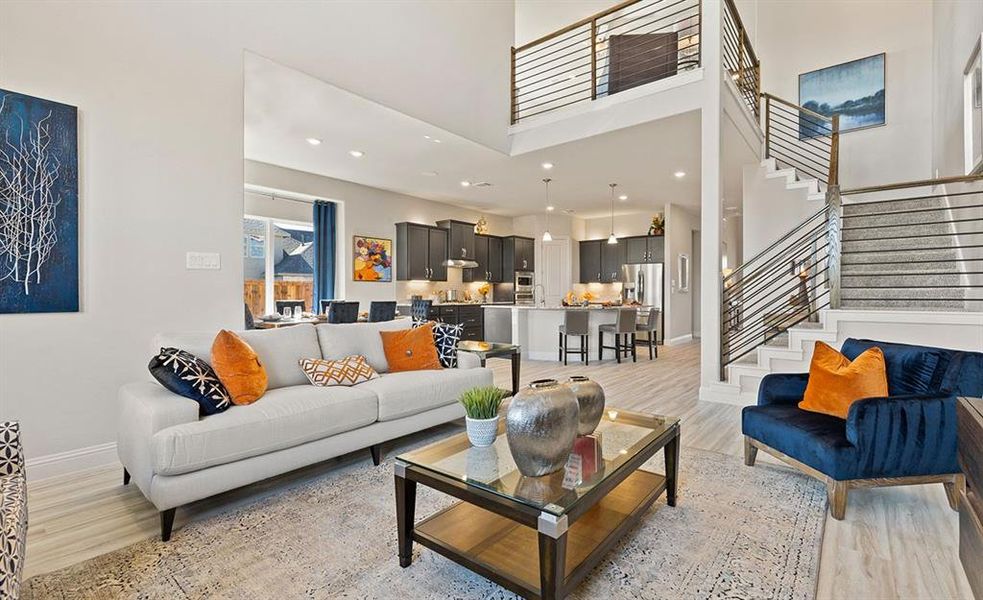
column 72, row 461
column 680, row 339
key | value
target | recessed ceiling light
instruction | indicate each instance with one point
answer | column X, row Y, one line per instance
column 313, row 141
column 547, row 165
column 465, row 183
column 680, row 174
column 550, row 208
column 623, row 197
column 431, row 138
column 356, row 153
column 429, row 173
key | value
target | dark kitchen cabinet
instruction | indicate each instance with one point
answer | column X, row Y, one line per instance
column 460, row 241
column 518, row 254
column 488, row 255
column 612, row 257
column 470, row 318
column 590, row 261
column 644, row 249
column 420, row 252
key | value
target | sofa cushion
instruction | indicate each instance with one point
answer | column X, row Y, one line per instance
column 812, row 438
column 835, row 382
column 278, row 349
column 338, row 340
column 411, row 349
column 239, row 368
column 350, row 370
column 189, row 376
column 411, row 392
column 910, row 369
column 283, row 418
column 965, row 375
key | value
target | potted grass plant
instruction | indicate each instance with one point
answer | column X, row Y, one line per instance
column 481, row 407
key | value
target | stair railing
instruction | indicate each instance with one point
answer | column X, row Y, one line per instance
column 739, row 59
column 627, row 45
column 802, row 139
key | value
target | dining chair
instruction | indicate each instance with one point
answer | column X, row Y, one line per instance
column 382, row 311
column 624, row 327
column 575, row 322
column 650, row 327
column 291, row 304
column 420, row 309
column 340, row 311
column 250, row 321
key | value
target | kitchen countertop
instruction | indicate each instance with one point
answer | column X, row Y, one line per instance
column 537, row 307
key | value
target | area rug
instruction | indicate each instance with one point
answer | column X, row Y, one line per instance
column 736, row 532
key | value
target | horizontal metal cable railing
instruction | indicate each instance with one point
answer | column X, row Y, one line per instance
column 630, row 44
column 914, row 245
column 782, row 286
column 739, row 60
column 802, row 139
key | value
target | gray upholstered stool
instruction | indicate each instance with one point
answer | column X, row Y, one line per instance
column 623, row 327
column 575, row 322
column 650, row 327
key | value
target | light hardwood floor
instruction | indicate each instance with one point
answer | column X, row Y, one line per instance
column 894, row 542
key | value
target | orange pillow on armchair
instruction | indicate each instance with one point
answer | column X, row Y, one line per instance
column 410, row 349
column 835, row 383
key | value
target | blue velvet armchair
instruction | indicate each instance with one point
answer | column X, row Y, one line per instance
column 908, row 437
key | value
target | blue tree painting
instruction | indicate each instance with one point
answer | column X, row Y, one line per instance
column 853, row 90
column 39, row 270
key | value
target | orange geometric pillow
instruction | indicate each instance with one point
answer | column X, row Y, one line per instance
column 835, row 383
column 238, row 368
column 410, row 349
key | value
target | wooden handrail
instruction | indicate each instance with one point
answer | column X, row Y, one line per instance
column 917, row 183
column 579, row 23
column 796, row 106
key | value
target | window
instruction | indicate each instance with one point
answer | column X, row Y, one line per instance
column 278, row 263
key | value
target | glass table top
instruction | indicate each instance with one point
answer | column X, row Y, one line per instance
column 486, row 348
column 619, row 437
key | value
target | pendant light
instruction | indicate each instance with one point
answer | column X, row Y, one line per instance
column 547, row 237
column 611, row 238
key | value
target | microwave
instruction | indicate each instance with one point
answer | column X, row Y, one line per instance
column 523, row 281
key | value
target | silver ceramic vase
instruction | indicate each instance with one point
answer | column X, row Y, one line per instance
column 541, row 425
column 590, row 396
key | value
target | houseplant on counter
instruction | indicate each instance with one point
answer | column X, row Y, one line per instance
column 481, row 407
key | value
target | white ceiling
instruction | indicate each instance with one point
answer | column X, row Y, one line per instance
column 284, row 106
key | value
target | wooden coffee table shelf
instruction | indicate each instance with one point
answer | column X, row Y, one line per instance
column 537, row 536
column 495, row 544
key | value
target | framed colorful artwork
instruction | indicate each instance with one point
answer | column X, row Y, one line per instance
column 39, row 234
column 372, row 259
column 854, row 90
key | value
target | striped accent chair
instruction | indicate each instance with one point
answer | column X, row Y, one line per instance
column 13, row 510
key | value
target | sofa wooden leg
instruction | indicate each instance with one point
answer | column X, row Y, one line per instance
column 376, row 451
column 126, row 476
column 836, row 492
column 750, row 452
column 166, row 523
column 954, row 489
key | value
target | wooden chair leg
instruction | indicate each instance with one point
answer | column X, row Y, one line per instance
column 376, row 452
column 750, row 452
column 566, row 350
column 836, row 493
column 585, row 349
column 166, row 523
column 955, row 489
column 559, row 355
column 617, row 347
column 634, row 347
column 600, row 345
column 126, row 477
column 651, row 346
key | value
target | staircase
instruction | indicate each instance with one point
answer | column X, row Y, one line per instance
column 899, row 261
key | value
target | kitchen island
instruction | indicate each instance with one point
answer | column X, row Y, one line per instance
column 536, row 328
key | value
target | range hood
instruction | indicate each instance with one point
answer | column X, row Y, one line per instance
column 460, row 263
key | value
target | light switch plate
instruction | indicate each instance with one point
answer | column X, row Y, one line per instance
column 204, row 260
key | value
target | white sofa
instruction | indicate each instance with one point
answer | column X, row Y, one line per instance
column 175, row 457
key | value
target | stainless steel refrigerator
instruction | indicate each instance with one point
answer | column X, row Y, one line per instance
column 643, row 283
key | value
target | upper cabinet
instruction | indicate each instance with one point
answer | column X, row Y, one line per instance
column 420, row 252
column 612, row 257
column 601, row 262
column 590, row 261
column 644, row 249
column 517, row 255
column 461, row 239
column 488, row 255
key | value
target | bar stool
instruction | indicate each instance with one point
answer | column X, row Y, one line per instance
column 624, row 326
column 650, row 327
column 382, row 311
column 420, row 310
column 575, row 322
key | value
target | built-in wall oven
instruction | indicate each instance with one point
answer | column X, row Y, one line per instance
column 524, row 288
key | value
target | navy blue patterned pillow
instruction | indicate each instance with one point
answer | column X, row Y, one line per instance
column 187, row 375
column 445, row 338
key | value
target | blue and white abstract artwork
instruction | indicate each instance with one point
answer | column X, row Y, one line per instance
column 853, row 90
column 39, row 243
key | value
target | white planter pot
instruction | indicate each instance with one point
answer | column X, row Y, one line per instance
column 482, row 432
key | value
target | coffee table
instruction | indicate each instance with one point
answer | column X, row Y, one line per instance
column 486, row 350
column 537, row 536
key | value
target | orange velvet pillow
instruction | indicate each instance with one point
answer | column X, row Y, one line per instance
column 835, row 383
column 410, row 349
column 238, row 368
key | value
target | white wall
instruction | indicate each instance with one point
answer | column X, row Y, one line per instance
column 680, row 225
column 770, row 209
column 159, row 90
column 372, row 212
column 629, row 224
column 956, row 25
column 536, row 18
column 795, row 37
